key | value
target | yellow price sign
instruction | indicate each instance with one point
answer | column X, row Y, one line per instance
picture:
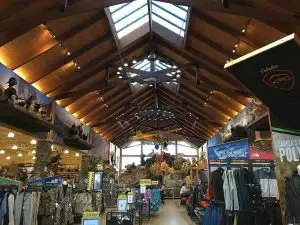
column 145, row 182
column 87, row 215
column 122, row 196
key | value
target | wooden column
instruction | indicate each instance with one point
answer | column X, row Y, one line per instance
column 43, row 151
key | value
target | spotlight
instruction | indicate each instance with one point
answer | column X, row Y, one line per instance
column 77, row 154
column 34, row 158
column 173, row 72
column 178, row 71
column 178, row 76
column 78, row 67
column 66, row 151
column 8, row 158
column 33, row 142
column 20, row 155
column 14, row 147
column 120, row 77
column 244, row 30
column 151, row 85
column 174, row 66
column 33, row 152
column 68, row 53
column 233, row 50
column 236, row 45
column 53, row 36
column 125, row 62
column 118, row 72
column 120, row 68
column 11, row 135
column 52, row 147
column 134, row 61
column 2, row 152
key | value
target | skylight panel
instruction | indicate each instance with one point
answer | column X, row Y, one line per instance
column 115, row 8
column 127, row 10
column 132, row 18
column 140, row 65
column 168, row 25
column 179, row 11
column 169, row 17
column 133, row 26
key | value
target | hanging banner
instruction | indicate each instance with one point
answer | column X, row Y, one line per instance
column 237, row 150
column 90, row 183
column 272, row 74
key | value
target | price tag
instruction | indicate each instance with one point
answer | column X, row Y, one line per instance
column 145, row 182
column 155, row 182
column 88, row 215
column 143, row 189
column 122, row 196
column 130, row 197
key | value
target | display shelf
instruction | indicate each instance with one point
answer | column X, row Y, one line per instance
column 18, row 117
column 260, row 121
column 77, row 143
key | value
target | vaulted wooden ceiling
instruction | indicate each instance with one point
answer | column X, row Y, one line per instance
column 67, row 55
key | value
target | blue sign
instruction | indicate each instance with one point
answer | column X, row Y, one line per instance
column 237, row 150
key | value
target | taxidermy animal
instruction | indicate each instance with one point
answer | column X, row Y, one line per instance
column 10, row 94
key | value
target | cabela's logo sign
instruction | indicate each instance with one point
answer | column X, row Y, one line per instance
column 280, row 79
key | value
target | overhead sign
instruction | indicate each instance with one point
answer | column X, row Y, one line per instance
column 272, row 74
column 236, row 150
column 91, row 215
column 145, row 182
column 155, row 182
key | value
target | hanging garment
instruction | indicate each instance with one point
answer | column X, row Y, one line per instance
column 23, row 209
column 3, row 208
column 213, row 215
column 155, row 200
column 266, row 178
column 230, row 191
column 292, row 198
column 216, row 185
column 11, row 205
column 242, row 179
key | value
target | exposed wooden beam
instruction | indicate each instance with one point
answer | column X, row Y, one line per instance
column 227, row 29
column 54, row 14
column 104, row 60
column 241, row 10
column 211, row 43
column 223, row 76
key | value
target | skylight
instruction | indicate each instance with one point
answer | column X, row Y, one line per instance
column 128, row 17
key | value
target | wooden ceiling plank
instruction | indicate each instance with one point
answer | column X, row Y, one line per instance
column 210, row 124
column 104, row 60
column 115, row 107
column 211, row 43
column 239, row 9
column 111, row 130
column 230, row 81
column 43, row 17
column 74, row 55
column 202, row 128
column 226, row 28
column 63, row 37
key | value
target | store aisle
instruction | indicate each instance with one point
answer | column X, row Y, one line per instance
column 170, row 214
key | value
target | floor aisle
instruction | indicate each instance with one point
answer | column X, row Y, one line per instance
column 170, row 214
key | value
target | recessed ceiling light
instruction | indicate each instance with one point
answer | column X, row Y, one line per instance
column 20, row 155
column 14, row 147
column 244, row 30
column 11, row 135
column 77, row 154
column 52, row 147
column 120, row 77
column 174, row 66
column 68, row 53
column 178, row 76
column 34, row 158
column 178, row 71
column 8, row 158
column 134, row 61
column 66, row 151
column 120, row 68
column 2, row 152
column 33, row 142
column 33, row 152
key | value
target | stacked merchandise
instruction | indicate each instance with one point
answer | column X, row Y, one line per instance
column 292, row 198
column 155, row 200
column 242, row 197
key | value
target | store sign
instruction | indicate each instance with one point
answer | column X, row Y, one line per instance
column 237, row 150
column 143, row 189
column 122, row 205
column 91, row 218
column 145, row 182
